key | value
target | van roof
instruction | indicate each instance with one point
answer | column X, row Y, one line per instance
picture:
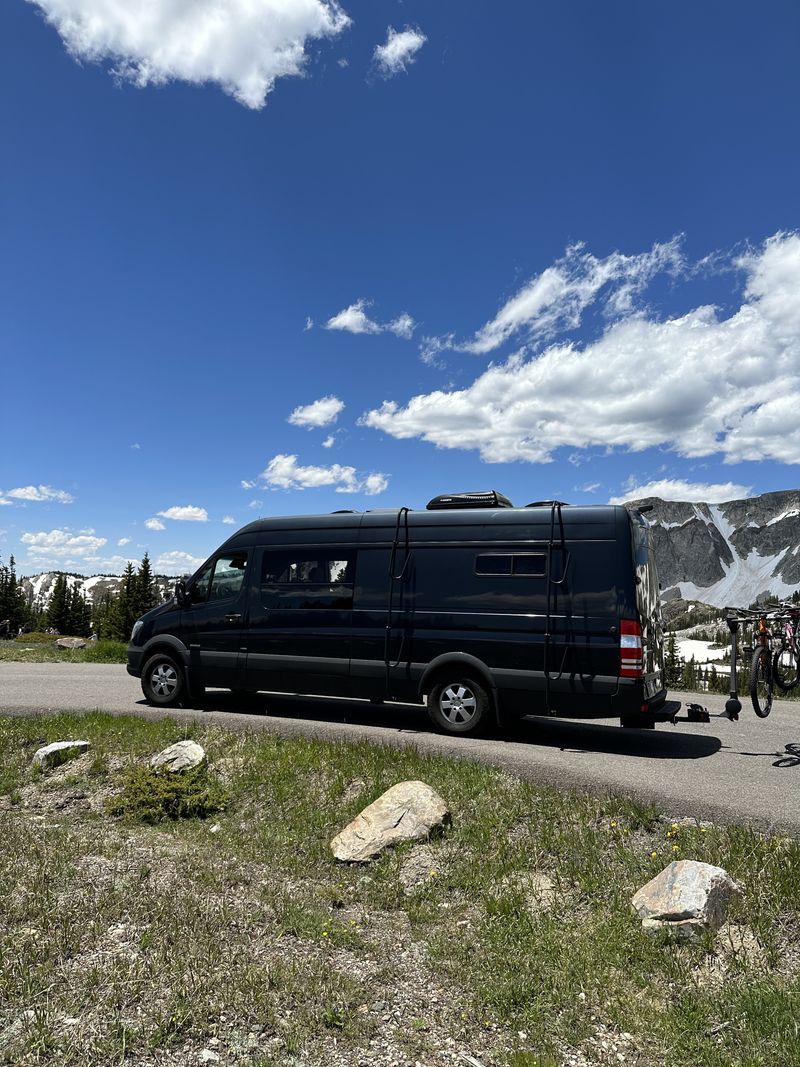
column 573, row 514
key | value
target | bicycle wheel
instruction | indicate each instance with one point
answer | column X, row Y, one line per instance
column 761, row 681
column 784, row 669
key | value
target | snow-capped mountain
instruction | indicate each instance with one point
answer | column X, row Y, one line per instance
column 727, row 554
column 39, row 587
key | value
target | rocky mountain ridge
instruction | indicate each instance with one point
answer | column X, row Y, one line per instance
column 727, row 554
column 38, row 587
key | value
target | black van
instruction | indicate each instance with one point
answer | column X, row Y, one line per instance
column 483, row 610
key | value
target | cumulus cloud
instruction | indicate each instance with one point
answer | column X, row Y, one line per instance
column 154, row 524
column 241, row 45
column 399, row 51
column 354, row 319
column 698, row 384
column 62, row 545
column 329, row 441
column 284, row 472
column 123, row 541
column 678, row 489
column 320, row 412
column 37, row 493
column 177, row 563
column 229, row 520
column 185, row 513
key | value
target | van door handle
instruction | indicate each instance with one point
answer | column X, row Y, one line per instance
column 233, row 618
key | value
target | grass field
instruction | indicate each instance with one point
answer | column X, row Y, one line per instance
column 238, row 935
column 42, row 648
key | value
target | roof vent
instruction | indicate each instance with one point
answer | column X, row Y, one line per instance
column 451, row 501
column 548, row 504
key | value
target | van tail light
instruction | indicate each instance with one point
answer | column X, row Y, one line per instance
column 631, row 657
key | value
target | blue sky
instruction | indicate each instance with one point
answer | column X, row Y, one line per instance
column 299, row 257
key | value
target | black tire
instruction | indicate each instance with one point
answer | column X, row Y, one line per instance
column 459, row 705
column 761, row 681
column 163, row 683
column 637, row 721
column 784, row 669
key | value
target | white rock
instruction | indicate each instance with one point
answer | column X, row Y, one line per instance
column 408, row 811
column 71, row 642
column 59, row 752
column 207, row 1055
column 685, row 898
column 182, row 756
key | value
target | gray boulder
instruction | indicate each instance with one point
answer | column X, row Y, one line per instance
column 59, row 752
column 70, row 642
column 409, row 811
column 686, row 898
column 182, row 756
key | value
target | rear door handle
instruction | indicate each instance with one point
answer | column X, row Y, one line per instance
column 233, row 618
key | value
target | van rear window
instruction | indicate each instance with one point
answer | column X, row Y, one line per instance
column 522, row 565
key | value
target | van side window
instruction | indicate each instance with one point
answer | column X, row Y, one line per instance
column 522, row 565
column 199, row 589
column 308, row 578
column 228, row 576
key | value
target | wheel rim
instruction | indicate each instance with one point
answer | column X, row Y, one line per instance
column 164, row 680
column 458, row 704
column 763, row 683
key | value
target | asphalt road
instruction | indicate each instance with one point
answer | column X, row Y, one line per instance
column 747, row 771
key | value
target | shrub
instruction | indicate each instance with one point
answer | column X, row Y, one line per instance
column 106, row 652
column 152, row 796
column 36, row 638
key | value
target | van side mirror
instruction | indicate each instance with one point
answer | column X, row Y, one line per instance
column 180, row 593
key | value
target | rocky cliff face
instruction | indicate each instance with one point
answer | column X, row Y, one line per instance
column 727, row 554
column 38, row 587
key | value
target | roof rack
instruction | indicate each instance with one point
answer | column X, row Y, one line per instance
column 448, row 501
column 548, row 504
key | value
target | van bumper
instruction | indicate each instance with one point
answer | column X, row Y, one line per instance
column 135, row 661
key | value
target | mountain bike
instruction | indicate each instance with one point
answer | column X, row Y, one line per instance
column 786, row 661
column 762, row 676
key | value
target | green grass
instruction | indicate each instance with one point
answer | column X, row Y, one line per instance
column 43, row 649
column 240, row 926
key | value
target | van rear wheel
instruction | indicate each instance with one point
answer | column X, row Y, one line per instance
column 458, row 705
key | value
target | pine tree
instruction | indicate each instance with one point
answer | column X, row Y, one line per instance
column 672, row 663
column 124, row 610
column 80, row 614
column 57, row 615
column 14, row 612
column 145, row 592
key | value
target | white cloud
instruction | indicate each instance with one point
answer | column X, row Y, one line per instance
column 177, row 563
column 329, row 441
column 136, row 446
column 321, row 412
column 123, row 541
column 256, row 504
column 62, row 544
column 39, row 493
column 677, row 489
column 154, row 524
column 354, row 319
column 399, row 51
column 284, row 472
column 698, row 384
column 556, row 299
column 588, row 487
column 247, row 485
column 241, row 45
column 403, row 326
column 185, row 513
column 309, row 324
column 5, row 503
column 229, row 520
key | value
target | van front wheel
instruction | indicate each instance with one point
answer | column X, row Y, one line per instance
column 458, row 706
column 162, row 681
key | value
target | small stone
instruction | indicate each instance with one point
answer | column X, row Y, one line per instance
column 53, row 755
column 207, row 1055
column 182, row 756
column 215, row 829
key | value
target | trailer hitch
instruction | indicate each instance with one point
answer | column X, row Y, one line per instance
column 694, row 713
